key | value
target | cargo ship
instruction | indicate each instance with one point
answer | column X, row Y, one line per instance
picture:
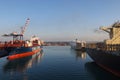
column 78, row 45
column 107, row 53
column 18, row 47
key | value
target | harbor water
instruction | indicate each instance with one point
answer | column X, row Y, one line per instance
column 54, row 63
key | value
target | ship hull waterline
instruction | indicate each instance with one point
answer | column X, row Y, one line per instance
column 107, row 60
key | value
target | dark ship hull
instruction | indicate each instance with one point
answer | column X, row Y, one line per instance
column 98, row 73
column 110, row 61
column 3, row 53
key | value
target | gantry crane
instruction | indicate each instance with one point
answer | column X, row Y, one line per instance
column 19, row 36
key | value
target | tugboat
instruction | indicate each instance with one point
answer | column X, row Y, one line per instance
column 107, row 54
column 19, row 48
column 78, row 45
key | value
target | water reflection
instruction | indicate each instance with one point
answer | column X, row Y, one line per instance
column 79, row 54
column 21, row 65
column 98, row 73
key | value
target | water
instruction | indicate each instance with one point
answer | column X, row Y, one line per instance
column 54, row 63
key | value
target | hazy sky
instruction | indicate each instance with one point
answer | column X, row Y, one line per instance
column 59, row 20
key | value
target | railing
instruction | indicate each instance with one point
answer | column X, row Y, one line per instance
column 104, row 47
column 4, row 45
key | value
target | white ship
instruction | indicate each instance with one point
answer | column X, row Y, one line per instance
column 78, row 45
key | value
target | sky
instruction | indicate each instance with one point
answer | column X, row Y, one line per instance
column 59, row 20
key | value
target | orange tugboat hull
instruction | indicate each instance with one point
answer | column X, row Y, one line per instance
column 21, row 55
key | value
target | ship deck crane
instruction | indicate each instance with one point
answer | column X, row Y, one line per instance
column 105, row 29
column 114, row 33
column 109, row 30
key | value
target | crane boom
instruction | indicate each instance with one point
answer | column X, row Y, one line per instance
column 25, row 26
column 105, row 29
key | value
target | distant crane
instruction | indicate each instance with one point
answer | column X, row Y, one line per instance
column 25, row 26
column 19, row 36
